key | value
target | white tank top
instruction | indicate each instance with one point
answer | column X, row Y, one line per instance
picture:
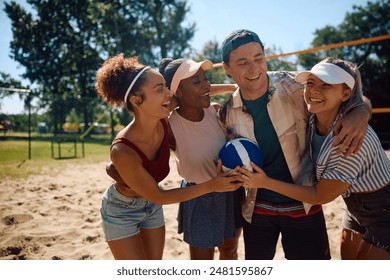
column 197, row 145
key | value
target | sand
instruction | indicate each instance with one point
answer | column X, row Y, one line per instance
column 56, row 216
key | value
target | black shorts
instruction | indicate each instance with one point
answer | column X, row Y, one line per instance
column 303, row 238
column 369, row 215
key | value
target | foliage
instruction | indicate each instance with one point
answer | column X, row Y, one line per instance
column 172, row 38
column 7, row 82
column 373, row 58
column 212, row 51
column 54, row 46
column 278, row 63
column 61, row 44
column 148, row 29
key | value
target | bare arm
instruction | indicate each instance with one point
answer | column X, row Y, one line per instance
column 351, row 129
column 220, row 89
column 144, row 184
column 325, row 191
column 113, row 173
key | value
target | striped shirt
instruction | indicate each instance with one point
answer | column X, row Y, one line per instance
column 366, row 171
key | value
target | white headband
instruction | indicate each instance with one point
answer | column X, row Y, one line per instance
column 133, row 82
column 329, row 73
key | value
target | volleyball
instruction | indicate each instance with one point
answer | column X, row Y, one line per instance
column 240, row 152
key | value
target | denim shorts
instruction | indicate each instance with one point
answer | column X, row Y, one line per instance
column 124, row 216
column 369, row 215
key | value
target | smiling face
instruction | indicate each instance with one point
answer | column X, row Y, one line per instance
column 324, row 99
column 156, row 96
column 194, row 92
column 248, row 68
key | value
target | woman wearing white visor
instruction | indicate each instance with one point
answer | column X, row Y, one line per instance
column 332, row 88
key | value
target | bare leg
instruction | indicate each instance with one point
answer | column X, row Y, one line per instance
column 148, row 245
column 368, row 251
column 228, row 250
column 153, row 242
column 127, row 249
column 201, row 253
column 349, row 244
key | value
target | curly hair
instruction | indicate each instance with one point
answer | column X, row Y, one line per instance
column 114, row 78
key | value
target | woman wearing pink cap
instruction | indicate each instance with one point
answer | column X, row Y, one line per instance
column 195, row 136
column 332, row 88
column 133, row 220
column 207, row 221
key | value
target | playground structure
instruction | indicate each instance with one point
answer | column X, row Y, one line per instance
column 71, row 151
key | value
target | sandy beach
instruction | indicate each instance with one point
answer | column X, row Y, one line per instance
column 56, row 216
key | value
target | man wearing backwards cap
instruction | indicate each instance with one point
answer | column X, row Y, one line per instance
column 268, row 108
column 333, row 87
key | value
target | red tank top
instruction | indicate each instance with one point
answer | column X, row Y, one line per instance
column 158, row 168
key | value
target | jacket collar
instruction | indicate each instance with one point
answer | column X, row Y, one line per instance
column 312, row 123
column 237, row 100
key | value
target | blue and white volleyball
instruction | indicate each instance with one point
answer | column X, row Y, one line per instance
column 240, row 152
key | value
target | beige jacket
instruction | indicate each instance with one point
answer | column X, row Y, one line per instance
column 289, row 116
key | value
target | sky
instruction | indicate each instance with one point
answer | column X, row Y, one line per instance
column 285, row 24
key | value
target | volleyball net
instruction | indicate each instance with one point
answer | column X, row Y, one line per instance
column 332, row 46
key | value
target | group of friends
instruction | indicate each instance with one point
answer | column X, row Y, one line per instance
column 312, row 127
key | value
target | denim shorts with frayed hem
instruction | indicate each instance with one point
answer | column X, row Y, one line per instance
column 124, row 216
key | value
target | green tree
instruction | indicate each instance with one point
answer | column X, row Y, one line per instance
column 171, row 37
column 54, row 46
column 10, row 86
column 212, row 51
column 151, row 30
column 363, row 22
column 6, row 81
column 61, row 44
column 276, row 64
column 120, row 29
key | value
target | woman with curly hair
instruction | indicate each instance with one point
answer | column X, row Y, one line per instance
column 133, row 220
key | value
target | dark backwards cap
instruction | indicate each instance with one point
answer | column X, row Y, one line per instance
column 236, row 39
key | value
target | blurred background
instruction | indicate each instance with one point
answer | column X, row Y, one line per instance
column 51, row 50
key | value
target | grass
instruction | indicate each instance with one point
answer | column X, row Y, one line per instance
column 14, row 162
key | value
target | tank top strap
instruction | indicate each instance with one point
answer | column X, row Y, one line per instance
column 134, row 147
column 131, row 145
